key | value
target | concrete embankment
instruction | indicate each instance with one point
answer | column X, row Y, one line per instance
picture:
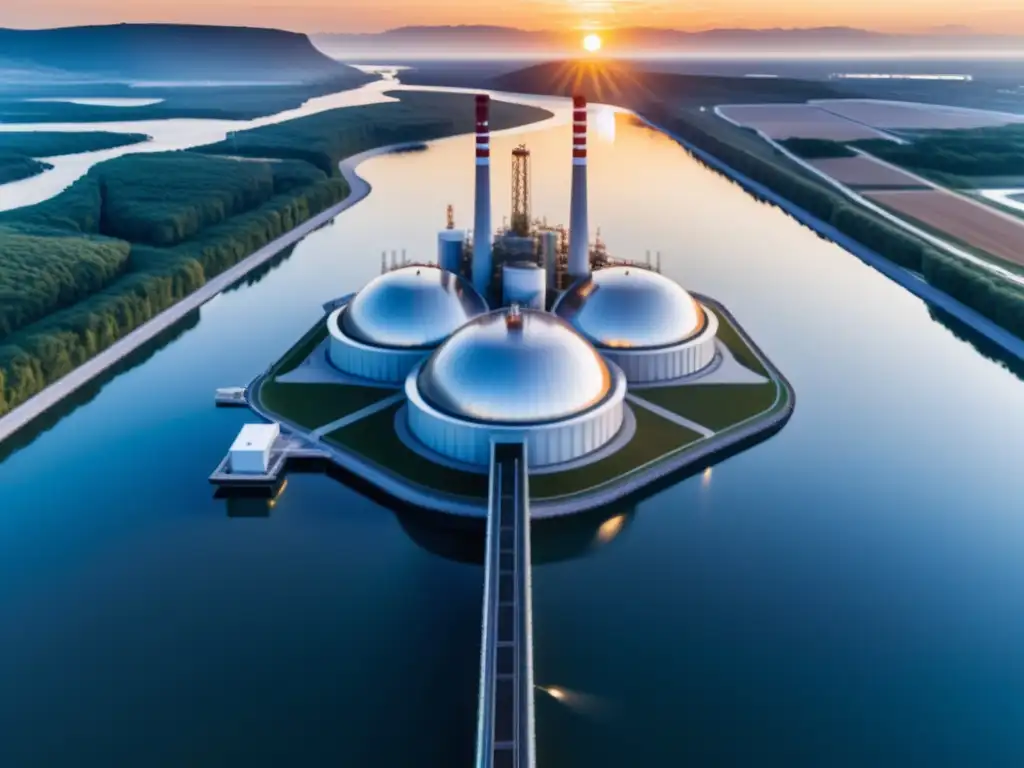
column 28, row 411
column 908, row 280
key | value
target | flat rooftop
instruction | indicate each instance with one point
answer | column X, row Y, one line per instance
column 256, row 437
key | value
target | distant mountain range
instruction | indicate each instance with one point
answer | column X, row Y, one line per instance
column 169, row 52
column 465, row 40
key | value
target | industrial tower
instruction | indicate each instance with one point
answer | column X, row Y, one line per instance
column 482, row 232
column 520, row 224
column 579, row 230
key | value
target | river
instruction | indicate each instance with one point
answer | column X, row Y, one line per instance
column 847, row 593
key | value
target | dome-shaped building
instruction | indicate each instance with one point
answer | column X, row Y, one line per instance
column 642, row 321
column 398, row 319
column 515, row 375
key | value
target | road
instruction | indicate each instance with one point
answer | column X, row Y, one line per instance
column 28, row 411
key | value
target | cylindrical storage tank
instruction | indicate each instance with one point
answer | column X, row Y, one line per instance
column 523, row 283
column 450, row 245
column 549, row 258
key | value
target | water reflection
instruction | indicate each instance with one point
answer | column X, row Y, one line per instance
column 551, row 541
column 84, row 394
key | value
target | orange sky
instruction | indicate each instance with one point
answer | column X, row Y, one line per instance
column 1001, row 16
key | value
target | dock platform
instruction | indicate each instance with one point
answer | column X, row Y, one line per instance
column 285, row 449
column 505, row 724
column 227, row 397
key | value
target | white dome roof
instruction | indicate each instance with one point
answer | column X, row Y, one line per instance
column 631, row 307
column 493, row 371
column 411, row 307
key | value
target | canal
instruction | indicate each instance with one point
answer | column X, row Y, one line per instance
column 847, row 593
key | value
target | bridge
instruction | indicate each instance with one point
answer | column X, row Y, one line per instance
column 505, row 732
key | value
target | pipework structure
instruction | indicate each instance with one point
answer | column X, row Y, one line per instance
column 520, row 224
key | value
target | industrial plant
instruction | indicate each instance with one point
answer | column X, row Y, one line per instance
column 524, row 373
column 530, row 335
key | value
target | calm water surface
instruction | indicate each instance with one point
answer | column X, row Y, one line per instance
column 848, row 593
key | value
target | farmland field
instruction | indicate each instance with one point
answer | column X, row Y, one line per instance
column 799, row 121
column 865, row 172
column 909, row 116
column 971, row 223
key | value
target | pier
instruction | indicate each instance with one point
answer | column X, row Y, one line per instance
column 284, row 450
column 505, row 722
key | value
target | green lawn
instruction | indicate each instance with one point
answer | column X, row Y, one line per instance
column 313, row 405
column 716, row 406
column 374, row 438
column 302, row 349
column 729, row 336
column 655, row 437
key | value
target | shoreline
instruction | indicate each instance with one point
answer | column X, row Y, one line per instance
column 907, row 280
column 23, row 415
column 642, row 480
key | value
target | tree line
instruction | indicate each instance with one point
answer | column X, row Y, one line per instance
column 175, row 244
column 995, row 151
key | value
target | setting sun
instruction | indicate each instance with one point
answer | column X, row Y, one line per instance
column 592, row 43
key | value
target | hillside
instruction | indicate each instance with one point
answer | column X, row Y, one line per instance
column 169, row 52
column 439, row 41
column 628, row 86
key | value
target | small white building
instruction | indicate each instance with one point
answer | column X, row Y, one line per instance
column 250, row 453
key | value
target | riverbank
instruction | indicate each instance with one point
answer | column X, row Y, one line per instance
column 360, row 427
column 24, row 414
column 992, row 331
column 189, row 217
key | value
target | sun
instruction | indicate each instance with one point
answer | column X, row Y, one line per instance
column 592, row 43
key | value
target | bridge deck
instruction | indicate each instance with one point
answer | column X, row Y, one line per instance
column 505, row 733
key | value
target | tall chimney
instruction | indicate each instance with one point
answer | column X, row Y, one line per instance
column 579, row 230
column 482, row 215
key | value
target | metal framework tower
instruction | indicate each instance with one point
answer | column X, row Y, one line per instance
column 451, row 217
column 521, row 191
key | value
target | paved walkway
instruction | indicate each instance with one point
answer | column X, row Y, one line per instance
column 352, row 418
column 675, row 418
column 53, row 394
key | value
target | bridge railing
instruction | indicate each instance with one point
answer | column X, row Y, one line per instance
column 505, row 724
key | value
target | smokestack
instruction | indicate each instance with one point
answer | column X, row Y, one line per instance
column 579, row 229
column 482, row 215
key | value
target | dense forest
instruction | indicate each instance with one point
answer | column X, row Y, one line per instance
column 997, row 300
column 56, row 143
column 15, row 167
column 19, row 150
column 128, row 240
column 325, row 139
column 996, row 151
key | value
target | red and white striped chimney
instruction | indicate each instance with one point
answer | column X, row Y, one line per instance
column 483, row 129
column 482, row 267
column 579, row 130
column 579, row 229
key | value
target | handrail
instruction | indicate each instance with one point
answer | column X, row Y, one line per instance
column 508, row 512
column 524, row 620
column 488, row 637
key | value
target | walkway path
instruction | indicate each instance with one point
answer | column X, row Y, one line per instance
column 362, row 413
column 89, row 370
column 675, row 418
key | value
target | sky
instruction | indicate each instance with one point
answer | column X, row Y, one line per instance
column 985, row 16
